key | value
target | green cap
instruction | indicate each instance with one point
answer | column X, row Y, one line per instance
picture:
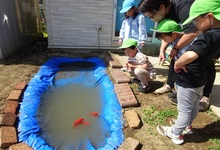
column 167, row 26
column 200, row 7
column 128, row 43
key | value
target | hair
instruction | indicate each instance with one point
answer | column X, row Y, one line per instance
column 160, row 35
column 151, row 5
column 131, row 47
column 135, row 12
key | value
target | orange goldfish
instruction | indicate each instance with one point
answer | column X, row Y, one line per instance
column 78, row 121
column 96, row 114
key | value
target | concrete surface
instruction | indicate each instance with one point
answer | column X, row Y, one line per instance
column 162, row 76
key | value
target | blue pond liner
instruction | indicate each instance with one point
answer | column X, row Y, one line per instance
column 28, row 127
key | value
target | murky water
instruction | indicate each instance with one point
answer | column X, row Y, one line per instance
column 64, row 104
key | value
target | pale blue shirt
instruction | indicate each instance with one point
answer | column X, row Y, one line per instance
column 180, row 51
column 134, row 28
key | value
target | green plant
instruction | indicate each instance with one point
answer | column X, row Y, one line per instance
column 153, row 117
column 216, row 143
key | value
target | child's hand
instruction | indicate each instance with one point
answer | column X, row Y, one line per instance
column 178, row 69
column 173, row 53
column 162, row 58
column 120, row 41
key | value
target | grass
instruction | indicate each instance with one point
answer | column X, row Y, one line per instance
column 153, row 116
column 216, row 143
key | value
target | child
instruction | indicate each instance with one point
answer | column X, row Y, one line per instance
column 191, row 67
column 134, row 24
column 138, row 64
column 170, row 32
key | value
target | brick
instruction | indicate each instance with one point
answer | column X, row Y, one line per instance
column 130, row 144
column 11, row 107
column 122, row 80
column 8, row 136
column 7, row 119
column 20, row 146
column 20, row 85
column 119, row 76
column 125, row 95
column 132, row 119
column 15, row 95
column 115, row 64
column 130, row 103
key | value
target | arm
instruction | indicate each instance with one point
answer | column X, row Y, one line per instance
column 163, row 48
column 131, row 65
column 122, row 33
column 184, row 41
column 190, row 31
column 142, row 29
column 185, row 59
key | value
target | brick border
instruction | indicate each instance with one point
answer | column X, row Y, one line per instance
column 8, row 117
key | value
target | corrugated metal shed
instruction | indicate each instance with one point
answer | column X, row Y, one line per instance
column 73, row 23
column 19, row 24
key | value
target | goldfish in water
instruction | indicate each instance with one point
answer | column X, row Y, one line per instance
column 96, row 114
column 85, row 122
column 78, row 121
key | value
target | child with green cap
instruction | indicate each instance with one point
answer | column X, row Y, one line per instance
column 171, row 32
column 191, row 67
column 138, row 64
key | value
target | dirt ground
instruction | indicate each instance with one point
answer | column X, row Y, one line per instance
column 22, row 66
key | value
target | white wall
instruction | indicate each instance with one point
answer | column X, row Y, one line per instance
column 72, row 23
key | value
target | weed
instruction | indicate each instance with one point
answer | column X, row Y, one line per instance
column 217, row 144
column 153, row 117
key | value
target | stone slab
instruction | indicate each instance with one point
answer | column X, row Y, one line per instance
column 20, row 85
column 20, row 146
column 7, row 119
column 15, row 95
column 130, row 144
column 125, row 95
column 8, row 136
column 132, row 119
column 119, row 76
column 11, row 106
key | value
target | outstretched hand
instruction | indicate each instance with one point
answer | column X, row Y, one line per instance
column 162, row 58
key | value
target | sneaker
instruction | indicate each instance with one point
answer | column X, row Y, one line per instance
column 143, row 90
column 204, row 103
column 188, row 129
column 163, row 89
column 167, row 131
column 173, row 101
column 135, row 80
column 171, row 95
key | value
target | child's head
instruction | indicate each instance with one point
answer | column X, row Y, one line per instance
column 168, row 30
column 129, row 8
column 205, row 14
column 129, row 46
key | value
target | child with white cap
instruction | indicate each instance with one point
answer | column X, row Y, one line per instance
column 134, row 24
column 191, row 67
